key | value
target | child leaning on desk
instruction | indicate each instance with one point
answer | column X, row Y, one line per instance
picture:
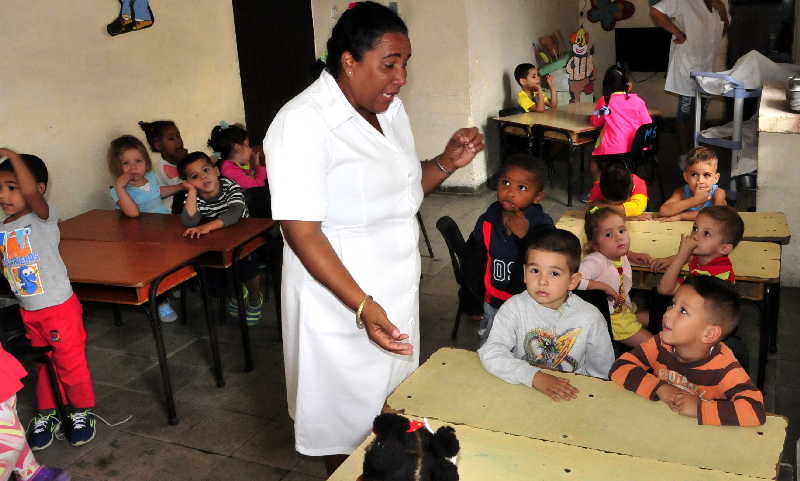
column 532, row 97
column 212, row 203
column 51, row 312
column 619, row 190
column 547, row 327
column 687, row 366
column 701, row 189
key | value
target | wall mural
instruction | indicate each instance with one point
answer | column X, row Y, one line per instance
column 609, row 12
column 133, row 15
column 580, row 67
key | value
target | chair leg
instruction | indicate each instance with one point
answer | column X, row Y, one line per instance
column 569, row 175
column 457, row 322
column 117, row 315
column 184, row 293
column 425, row 234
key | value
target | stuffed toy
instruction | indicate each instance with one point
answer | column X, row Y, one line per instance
column 580, row 68
column 410, row 451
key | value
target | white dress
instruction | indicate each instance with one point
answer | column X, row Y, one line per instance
column 703, row 31
column 327, row 163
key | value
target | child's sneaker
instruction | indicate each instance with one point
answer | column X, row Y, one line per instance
column 254, row 312
column 51, row 474
column 233, row 307
column 81, row 429
column 166, row 312
column 42, row 429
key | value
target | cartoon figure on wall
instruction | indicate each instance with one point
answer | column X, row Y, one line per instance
column 609, row 12
column 133, row 15
column 580, row 68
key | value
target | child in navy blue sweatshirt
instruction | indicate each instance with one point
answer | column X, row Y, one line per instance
column 494, row 254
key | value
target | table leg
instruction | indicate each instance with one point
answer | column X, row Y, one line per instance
column 237, row 288
column 184, row 293
column 276, row 264
column 212, row 330
column 117, row 315
column 155, row 324
column 569, row 174
column 502, row 141
column 763, row 336
column 775, row 302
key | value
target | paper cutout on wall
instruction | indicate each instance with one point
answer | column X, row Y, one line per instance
column 133, row 15
column 609, row 12
column 580, row 67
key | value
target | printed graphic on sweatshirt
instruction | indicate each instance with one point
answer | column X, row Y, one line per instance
column 544, row 348
column 20, row 262
column 680, row 381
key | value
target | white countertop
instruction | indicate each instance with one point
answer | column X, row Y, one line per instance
column 773, row 116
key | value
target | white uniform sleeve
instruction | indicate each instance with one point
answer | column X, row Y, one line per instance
column 497, row 354
column 668, row 7
column 599, row 351
column 297, row 161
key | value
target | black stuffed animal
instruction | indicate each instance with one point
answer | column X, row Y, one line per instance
column 399, row 455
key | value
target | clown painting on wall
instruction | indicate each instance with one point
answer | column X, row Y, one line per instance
column 580, row 68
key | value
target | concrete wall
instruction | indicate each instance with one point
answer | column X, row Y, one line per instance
column 461, row 71
column 68, row 88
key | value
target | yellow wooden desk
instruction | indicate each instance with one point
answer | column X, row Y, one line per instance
column 607, row 433
column 758, row 226
column 757, row 266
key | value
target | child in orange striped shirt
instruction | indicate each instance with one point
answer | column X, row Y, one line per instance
column 686, row 365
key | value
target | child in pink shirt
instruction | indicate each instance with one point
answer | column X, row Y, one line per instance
column 239, row 162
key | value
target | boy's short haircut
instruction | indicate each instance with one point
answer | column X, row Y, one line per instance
column 721, row 301
column 732, row 223
column 616, row 183
column 521, row 71
column 701, row 154
column 559, row 241
column 526, row 163
column 190, row 159
column 34, row 164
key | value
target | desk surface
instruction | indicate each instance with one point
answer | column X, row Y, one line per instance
column 570, row 117
column 125, row 264
column 604, row 418
column 752, row 261
column 489, row 455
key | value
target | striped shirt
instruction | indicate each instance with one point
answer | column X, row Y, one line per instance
column 229, row 205
column 727, row 396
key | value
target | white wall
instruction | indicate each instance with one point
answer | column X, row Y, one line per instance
column 68, row 88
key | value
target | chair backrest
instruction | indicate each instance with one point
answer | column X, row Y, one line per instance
column 645, row 145
column 511, row 111
column 455, row 243
column 599, row 299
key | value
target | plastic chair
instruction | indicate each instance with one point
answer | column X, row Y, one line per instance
column 13, row 340
column 644, row 150
column 599, row 299
column 455, row 245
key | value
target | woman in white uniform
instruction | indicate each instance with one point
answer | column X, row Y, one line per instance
column 346, row 185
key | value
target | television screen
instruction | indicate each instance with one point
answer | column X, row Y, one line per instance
column 643, row 49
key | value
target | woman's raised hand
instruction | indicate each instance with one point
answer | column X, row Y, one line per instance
column 462, row 147
column 382, row 332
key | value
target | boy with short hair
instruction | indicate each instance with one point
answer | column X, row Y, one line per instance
column 546, row 327
column 532, row 97
column 619, row 190
column 687, row 366
column 716, row 232
column 494, row 254
column 701, row 189
column 51, row 312
column 212, row 203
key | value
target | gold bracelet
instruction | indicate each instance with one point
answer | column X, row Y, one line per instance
column 359, row 322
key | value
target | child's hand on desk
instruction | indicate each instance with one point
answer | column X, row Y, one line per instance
column 685, row 404
column 667, row 393
column 516, row 222
column 661, row 264
column 197, row 232
column 642, row 216
column 640, row 258
column 556, row 388
column 671, row 218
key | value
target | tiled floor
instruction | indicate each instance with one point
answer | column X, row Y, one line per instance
column 242, row 431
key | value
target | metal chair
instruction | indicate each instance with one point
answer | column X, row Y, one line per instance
column 455, row 245
column 424, row 234
column 644, row 150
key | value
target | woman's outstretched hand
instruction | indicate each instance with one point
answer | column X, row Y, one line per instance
column 462, row 147
column 382, row 332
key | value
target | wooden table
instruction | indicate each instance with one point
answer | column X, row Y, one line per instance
column 221, row 249
column 757, row 266
column 509, row 431
column 570, row 121
column 135, row 273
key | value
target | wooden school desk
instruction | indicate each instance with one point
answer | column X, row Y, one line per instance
column 757, row 266
column 571, row 125
column 222, row 248
column 608, row 433
column 135, row 273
